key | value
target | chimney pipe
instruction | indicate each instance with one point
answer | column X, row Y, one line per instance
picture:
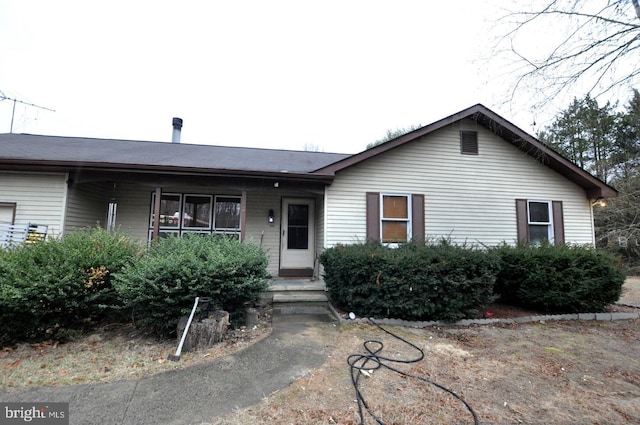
column 177, row 129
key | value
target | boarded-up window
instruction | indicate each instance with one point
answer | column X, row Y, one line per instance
column 395, row 218
column 469, row 142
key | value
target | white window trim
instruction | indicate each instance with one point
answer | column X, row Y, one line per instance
column 550, row 230
column 225, row 230
column 408, row 220
column 184, row 203
column 161, row 227
column 180, row 230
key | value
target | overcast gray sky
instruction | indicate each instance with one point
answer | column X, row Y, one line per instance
column 334, row 75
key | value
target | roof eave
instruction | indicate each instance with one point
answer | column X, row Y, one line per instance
column 593, row 187
column 71, row 166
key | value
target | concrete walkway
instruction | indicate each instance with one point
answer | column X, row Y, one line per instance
column 200, row 393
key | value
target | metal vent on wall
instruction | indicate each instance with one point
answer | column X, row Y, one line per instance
column 469, row 142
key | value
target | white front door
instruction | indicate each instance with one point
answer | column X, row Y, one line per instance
column 297, row 240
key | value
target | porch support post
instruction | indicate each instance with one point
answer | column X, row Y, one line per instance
column 243, row 213
column 156, row 214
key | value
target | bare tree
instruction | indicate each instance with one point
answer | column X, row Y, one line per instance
column 589, row 47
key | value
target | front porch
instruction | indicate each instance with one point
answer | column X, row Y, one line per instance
column 285, row 218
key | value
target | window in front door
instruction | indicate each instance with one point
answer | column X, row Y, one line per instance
column 298, row 226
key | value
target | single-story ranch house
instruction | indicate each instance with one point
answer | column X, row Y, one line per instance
column 471, row 177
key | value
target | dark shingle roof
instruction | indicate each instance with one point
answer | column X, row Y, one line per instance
column 28, row 148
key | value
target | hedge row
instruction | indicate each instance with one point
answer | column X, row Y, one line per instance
column 58, row 288
column 412, row 282
column 562, row 279
column 446, row 282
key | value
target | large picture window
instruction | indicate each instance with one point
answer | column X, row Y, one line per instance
column 182, row 213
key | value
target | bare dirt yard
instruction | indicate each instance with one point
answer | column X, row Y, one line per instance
column 565, row 372
column 542, row 373
column 554, row 372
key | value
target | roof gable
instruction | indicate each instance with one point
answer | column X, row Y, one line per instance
column 507, row 131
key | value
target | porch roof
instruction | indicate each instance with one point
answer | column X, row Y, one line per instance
column 73, row 152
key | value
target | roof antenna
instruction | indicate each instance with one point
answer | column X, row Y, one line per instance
column 13, row 111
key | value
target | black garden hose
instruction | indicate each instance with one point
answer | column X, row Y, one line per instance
column 373, row 360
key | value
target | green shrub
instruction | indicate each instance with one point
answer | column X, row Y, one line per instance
column 50, row 289
column 162, row 285
column 564, row 278
column 411, row 282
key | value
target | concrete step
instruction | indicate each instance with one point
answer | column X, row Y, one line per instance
column 299, row 300
column 296, row 285
column 300, row 297
column 301, row 309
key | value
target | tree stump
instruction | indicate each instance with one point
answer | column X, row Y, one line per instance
column 251, row 317
column 205, row 333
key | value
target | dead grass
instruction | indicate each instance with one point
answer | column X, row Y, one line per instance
column 544, row 373
column 111, row 353
column 631, row 291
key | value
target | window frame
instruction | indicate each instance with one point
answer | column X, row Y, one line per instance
column 13, row 206
column 549, row 224
column 161, row 226
column 226, row 230
column 180, row 229
column 408, row 220
column 184, row 228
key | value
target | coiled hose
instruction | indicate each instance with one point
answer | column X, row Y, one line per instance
column 373, row 361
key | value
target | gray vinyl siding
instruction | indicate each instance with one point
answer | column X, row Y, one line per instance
column 258, row 231
column 134, row 206
column 40, row 198
column 86, row 206
column 468, row 198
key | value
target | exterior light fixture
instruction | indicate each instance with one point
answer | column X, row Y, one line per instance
column 271, row 218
